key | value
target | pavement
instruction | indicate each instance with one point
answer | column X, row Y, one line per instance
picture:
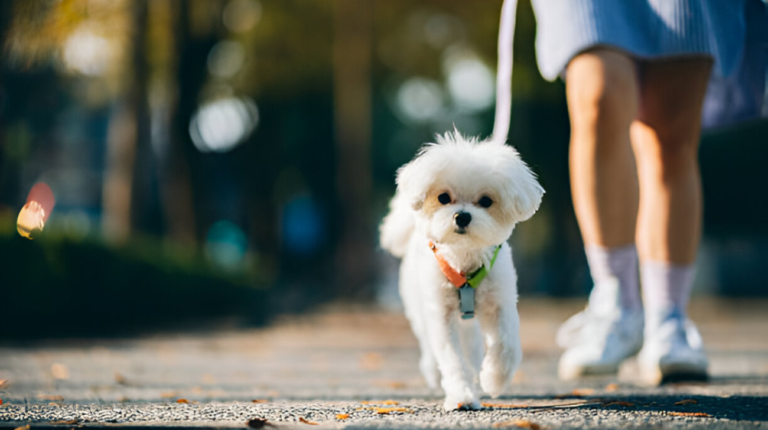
column 352, row 366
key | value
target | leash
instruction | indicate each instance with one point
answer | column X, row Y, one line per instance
column 504, row 72
column 465, row 284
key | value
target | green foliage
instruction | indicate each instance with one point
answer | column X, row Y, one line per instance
column 59, row 285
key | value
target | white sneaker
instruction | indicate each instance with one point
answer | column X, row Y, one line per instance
column 599, row 338
column 672, row 352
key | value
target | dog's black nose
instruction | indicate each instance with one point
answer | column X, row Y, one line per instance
column 462, row 219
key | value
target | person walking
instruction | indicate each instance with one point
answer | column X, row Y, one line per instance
column 636, row 74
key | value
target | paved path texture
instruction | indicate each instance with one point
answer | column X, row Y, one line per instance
column 347, row 366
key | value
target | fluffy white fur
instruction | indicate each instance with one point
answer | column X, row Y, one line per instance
column 483, row 352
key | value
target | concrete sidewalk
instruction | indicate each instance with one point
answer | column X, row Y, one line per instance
column 315, row 366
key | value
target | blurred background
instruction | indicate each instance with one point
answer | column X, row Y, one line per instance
column 230, row 160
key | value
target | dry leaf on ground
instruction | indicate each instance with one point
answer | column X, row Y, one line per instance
column 503, row 405
column 686, row 402
column 50, row 397
column 383, row 402
column 518, row 423
column 65, row 422
column 257, row 423
column 342, row 416
column 383, row 411
column 259, row 401
column 689, row 414
column 618, row 403
column 26, row 427
column 182, row 401
column 583, row 392
column 306, row 421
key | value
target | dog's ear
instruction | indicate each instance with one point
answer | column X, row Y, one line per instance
column 413, row 183
column 521, row 191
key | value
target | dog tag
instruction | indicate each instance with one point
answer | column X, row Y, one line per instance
column 467, row 302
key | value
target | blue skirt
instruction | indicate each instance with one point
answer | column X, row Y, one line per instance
column 734, row 33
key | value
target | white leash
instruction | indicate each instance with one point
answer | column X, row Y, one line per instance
column 504, row 72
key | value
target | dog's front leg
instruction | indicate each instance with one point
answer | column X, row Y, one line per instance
column 456, row 371
column 501, row 328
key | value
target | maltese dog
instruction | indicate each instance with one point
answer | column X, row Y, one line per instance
column 456, row 205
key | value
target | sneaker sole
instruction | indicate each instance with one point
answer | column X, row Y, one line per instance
column 569, row 373
column 673, row 372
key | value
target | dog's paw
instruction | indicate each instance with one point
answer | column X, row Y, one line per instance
column 429, row 370
column 493, row 381
column 461, row 403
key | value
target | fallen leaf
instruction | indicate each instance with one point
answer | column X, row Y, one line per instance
column 503, row 405
column 26, row 427
column 686, row 402
column 612, row 387
column 60, row 371
column 689, row 414
column 1, row 401
column 583, row 392
column 376, row 402
column 257, row 423
column 64, row 422
column 518, row 423
column 123, row 399
column 182, row 401
column 259, row 401
column 617, row 403
column 50, row 397
column 305, row 421
column 383, row 411
column 168, row 394
column 120, row 379
column 342, row 416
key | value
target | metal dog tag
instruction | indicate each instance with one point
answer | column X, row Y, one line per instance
column 467, row 302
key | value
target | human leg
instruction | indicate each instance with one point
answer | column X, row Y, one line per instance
column 602, row 91
column 665, row 140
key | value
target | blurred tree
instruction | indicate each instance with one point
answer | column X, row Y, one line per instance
column 353, row 22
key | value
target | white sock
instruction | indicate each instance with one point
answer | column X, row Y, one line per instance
column 619, row 263
column 666, row 289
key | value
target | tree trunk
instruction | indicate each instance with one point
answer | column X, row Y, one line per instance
column 352, row 98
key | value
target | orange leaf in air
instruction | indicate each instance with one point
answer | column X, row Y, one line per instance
column 689, row 414
column 611, row 387
column 312, row 423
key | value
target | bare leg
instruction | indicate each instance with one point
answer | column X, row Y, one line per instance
column 665, row 139
column 602, row 91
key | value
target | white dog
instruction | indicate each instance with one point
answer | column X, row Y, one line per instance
column 456, row 205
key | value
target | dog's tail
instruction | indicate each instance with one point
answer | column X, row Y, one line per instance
column 396, row 229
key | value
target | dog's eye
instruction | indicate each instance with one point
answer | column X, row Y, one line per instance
column 485, row 202
column 444, row 198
